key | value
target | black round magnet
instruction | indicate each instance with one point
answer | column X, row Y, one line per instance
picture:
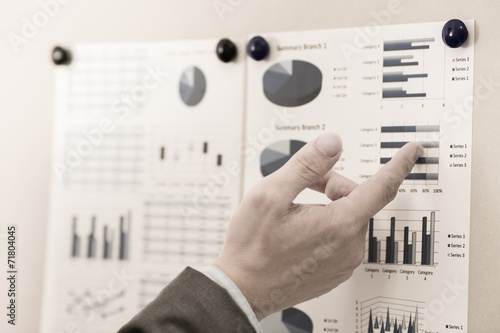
column 454, row 33
column 61, row 56
column 258, row 48
column 226, row 50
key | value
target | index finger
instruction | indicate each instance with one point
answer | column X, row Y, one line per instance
column 377, row 191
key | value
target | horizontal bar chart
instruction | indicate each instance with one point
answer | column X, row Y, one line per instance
column 407, row 44
column 400, row 77
column 399, row 144
column 420, row 160
column 409, row 128
column 399, row 93
column 411, row 68
column 395, row 136
column 392, row 61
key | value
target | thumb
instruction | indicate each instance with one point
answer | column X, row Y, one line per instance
column 307, row 166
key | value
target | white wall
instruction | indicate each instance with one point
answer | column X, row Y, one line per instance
column 26, row 103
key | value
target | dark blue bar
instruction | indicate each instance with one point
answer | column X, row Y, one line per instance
column 393, row 238
column 399, row 144
column 398, row 62
column 91, row 238
column 401, row 77
column 423, row 258
column 420, row 160
column 372, row 256
column 427, row 249
column 75, row 249
column 422, row 176
column 400, row 94
column 410, row 256
column 388, row 250
column 405, row 250
column 403, row 46
column 409, row 129
column 123, row 240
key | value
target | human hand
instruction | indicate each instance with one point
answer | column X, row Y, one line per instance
column 280, row 253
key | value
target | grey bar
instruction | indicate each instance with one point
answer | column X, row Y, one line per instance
column 162, row 153
column 395, row 261
column 205, row 147
column 413, row 40
column 414, row 328
column 413, row 248
column 433, row 229
column 406, row 56
column 219, row 160
column 397, row 77
column 409, row 129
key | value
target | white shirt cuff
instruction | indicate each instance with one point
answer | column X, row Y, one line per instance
column 219, row 277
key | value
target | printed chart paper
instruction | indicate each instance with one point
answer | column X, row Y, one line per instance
column 145, row 138
column 378, row 92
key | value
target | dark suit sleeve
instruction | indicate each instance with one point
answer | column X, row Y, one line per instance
column 190, row 303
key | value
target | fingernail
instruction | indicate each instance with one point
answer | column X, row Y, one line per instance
column 419, row 152
column 329, row 144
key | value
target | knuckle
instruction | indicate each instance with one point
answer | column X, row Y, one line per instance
column 306, row 166
column 337, row 192
column 392, row 183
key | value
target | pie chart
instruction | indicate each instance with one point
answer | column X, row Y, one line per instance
column 291, row 320
column 192, row 86
column 292, row 83
column 277, row 154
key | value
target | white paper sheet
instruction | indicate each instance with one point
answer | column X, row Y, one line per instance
column 145, row 138
column 376, row 104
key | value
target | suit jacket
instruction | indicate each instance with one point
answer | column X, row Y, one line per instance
column 190, row 303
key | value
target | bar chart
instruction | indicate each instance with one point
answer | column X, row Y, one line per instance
column 393, row 137
column 407, row 69
column 407, row 240
column 185, row 155
column 99, row 232
column 386, row 314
